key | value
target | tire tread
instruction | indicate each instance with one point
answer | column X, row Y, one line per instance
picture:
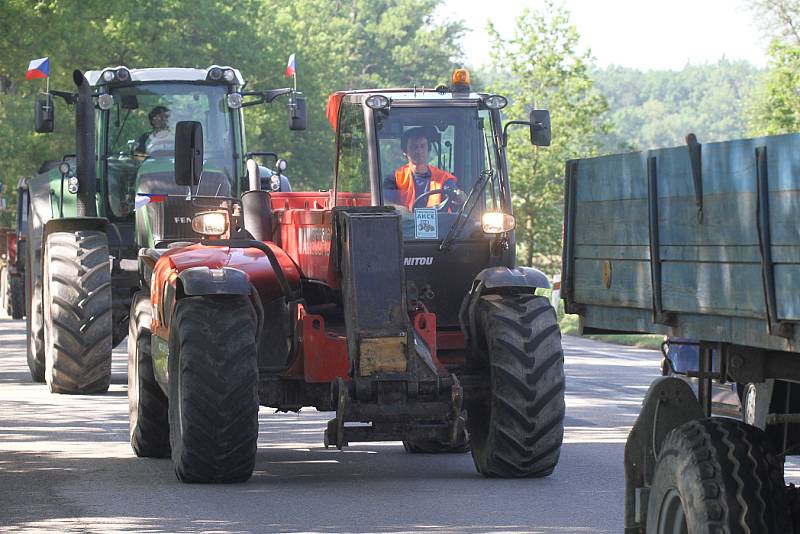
column 519, row 432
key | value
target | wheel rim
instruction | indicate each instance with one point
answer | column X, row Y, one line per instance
column 671, row 516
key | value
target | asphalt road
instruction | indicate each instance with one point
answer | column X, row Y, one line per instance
column 66, row 465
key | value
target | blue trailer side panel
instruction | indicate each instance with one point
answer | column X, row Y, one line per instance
column 711, row 271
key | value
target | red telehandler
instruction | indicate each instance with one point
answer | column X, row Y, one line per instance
column 405, row 314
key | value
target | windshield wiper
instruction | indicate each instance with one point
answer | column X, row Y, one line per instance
column 477, row 187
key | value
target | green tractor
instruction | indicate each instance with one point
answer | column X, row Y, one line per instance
column 90, row 213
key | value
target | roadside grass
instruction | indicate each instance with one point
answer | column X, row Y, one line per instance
column 569, row 325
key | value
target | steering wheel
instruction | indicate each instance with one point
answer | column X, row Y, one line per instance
column 449, row 194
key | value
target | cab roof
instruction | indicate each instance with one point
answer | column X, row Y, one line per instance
column 164, row 74
column 410, row 93
column 398, row 94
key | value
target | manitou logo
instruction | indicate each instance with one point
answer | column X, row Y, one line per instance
column 427, row 260
column 183, row 220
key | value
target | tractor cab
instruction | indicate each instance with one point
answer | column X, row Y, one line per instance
column 438, row 158
column 139, row 110
column 136, row 113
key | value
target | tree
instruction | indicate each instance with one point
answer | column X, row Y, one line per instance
column 779, row 19
column 774, row 110
column 340, row 44
column 546, row 70
column 658, row 108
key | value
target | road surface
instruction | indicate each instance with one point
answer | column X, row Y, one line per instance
column 66, row 465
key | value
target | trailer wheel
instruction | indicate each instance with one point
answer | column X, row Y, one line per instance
column 16, row 297
column 34, row 319
column 147, row 404
column 517, row 429
column 717, row 475
column 213, row 389
column 77, row 312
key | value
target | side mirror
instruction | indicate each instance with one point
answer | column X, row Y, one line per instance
column 297, row 113
column 44, row 114
column 540, row 127
column 188, row 152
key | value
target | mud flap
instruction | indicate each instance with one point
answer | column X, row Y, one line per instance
column 669, row 403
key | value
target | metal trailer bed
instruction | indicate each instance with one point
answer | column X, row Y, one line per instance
column 698, row 242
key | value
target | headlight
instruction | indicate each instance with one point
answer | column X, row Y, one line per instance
column 215, row 73
column 108, row 76
column 210, row 223
column 377, row 101
column 123, row 75
column 72, row 185
column 496, row 222
column 228, row 75
column 234, row 100
column 495, row 102
column 105, row 101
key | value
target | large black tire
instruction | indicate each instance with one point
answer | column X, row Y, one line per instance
column 4, row 302
column 34, row 317
column 717, row 475
column 16, row 297
column 147, row 405
column 77, row 312
column 121, row 307
column 213, row 389
column 517, row 429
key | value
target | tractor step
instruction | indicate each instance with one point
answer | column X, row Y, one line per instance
column 439, row 420
column 441, row 432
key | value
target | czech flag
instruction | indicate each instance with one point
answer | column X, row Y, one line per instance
column 291, row 67
column 38, row 68
column 143, row 199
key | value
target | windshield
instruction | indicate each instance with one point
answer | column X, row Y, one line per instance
column 448, row 149
column 140, row 141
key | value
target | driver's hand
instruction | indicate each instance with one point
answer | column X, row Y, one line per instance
column 458, row 196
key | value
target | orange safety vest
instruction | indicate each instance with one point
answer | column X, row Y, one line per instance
column 404, row 178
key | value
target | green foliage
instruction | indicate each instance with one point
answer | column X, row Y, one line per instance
column 546, row 70
column 658, row 108
column 776, row 108
column 340, row 44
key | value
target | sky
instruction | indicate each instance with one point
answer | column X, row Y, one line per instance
column 642, row 34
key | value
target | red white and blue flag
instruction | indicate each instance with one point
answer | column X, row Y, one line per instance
column 38, row 68
column 291, row 67
column 143, row 199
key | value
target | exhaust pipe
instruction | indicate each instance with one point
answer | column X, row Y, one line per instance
column 85, row 148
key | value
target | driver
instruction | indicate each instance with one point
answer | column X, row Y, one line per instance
column 160, row 138
column 417, row 177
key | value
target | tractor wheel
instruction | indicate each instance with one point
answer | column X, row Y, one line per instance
column 34, row 319
column 517, row 429
column 16, row 297
column 147, row 404
column 5, row 305
column 213, row 389
column 432, row 446
column 121, row 307
column 77, row 312
column 717, row 475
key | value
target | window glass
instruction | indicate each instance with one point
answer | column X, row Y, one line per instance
column 353, row 165
column 140, row 141
column 425, row 149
